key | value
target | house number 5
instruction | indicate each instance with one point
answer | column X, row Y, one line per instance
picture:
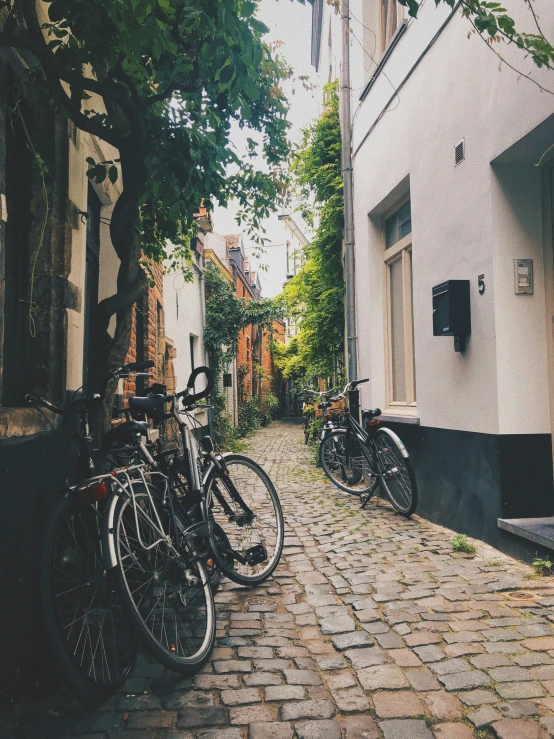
column 481, row 283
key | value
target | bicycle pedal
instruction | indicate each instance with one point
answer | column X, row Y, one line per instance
column 256, row 555
column 365, row 500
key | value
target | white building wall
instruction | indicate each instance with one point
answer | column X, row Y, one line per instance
column 466, row 221
column 184, row 318
column 108, row 193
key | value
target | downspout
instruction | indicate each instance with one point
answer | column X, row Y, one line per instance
column 349, row 242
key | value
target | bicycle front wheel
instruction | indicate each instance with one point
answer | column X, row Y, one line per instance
column 88, row 633
column 168, row 597
column 242, row 502
column 397, row 474
column 346, row 464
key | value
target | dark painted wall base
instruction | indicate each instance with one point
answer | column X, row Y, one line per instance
column 32, row 469
column 468, row 480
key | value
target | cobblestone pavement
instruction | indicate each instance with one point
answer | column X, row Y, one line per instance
column 371, row 627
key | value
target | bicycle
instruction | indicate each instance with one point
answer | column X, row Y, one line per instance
column 87, row 635
column 358, row 460
column 226, row 502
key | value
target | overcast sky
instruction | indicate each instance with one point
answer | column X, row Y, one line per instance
column 289, row 22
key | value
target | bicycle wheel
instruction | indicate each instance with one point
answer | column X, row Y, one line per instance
column 242, row 502
column 397, row 473
column 168, row 597
column 89, row 636
column 346, row 463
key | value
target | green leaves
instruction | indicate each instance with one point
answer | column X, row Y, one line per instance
column 491, row 19
column 315, row 297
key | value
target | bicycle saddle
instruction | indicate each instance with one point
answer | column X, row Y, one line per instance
column 152, row 405
column 369, row 414
column 124, row 434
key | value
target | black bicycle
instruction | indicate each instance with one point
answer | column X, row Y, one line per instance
column 226, row 504
column 358, row 460
column 88, row 634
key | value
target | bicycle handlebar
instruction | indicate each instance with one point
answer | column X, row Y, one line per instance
column 192, row 398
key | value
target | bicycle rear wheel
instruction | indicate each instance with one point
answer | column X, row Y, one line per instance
column 167, row 595
column 242, row 502
column 89, row 636
column 397, row 473
column 346, row 463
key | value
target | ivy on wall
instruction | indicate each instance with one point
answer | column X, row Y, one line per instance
column 314, row 298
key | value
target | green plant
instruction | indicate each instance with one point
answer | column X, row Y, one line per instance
column 542, row 567
column 268, row 406
column 314, row 298
column 163, row 82
column 249, row 417
column 460, row 543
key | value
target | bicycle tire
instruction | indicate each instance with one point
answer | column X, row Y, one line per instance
column 350, row 474
column 90, row 682
column 181, row 622
column 395, row 468
column 259, row 494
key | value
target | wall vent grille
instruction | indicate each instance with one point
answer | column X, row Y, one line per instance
column 459, row 152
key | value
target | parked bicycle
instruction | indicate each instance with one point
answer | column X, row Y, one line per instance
column 357, row 460
column 86, row 630
column 149, row 528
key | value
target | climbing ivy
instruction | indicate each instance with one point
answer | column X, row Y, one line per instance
column 226, row 315
column 314, row 299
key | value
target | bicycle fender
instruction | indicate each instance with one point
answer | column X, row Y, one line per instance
column 110, row 557
column 397, row 440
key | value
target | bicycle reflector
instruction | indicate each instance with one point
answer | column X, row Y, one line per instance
column 91, row 493
column 374, row 422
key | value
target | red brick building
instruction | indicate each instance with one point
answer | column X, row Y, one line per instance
column 148, row 339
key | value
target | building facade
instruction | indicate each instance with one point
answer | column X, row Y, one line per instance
column 453, row 181
column 56, row 263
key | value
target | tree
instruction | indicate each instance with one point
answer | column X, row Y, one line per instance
column 492, row 19
column 162, row 81
column 314, row 298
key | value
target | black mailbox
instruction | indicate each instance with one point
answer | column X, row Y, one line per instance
column 227, row 379
column 451, row 311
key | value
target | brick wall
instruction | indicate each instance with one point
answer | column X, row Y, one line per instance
column 156, row 346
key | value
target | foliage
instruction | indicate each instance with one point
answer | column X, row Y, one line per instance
column 542, row 566
column 314, row 298
column 268, row 405
column 492, row 19
column 225, row 433
column 249, row 417
column 226, row 315
column 460, row 543
column 162, row 82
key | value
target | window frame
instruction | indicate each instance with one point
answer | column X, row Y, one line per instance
column 401, row 250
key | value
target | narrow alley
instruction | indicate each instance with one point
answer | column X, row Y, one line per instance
column 371, row 627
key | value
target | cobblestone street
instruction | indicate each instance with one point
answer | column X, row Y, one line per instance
column 371, row 627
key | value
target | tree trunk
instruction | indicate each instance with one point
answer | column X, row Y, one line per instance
column 109, row 348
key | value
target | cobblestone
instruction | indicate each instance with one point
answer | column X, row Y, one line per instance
column 371, row 628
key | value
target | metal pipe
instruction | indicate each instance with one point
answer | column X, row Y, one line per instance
column 349, row 258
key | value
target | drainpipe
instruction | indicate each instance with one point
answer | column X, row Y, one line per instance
column 349, row 262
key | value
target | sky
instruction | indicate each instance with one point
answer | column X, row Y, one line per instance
column 290, row 23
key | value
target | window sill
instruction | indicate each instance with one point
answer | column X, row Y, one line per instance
column 17, row 424
column 393, row 416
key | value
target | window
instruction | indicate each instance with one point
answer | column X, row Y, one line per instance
column 392, row 14
column 193, row 340
column 401, row 386
column 15, row 375
column 91, row 274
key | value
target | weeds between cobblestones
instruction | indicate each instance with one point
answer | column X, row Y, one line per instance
column 372, row 627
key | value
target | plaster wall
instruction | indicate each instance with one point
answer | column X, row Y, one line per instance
column 467, row 220
column 184, row 317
